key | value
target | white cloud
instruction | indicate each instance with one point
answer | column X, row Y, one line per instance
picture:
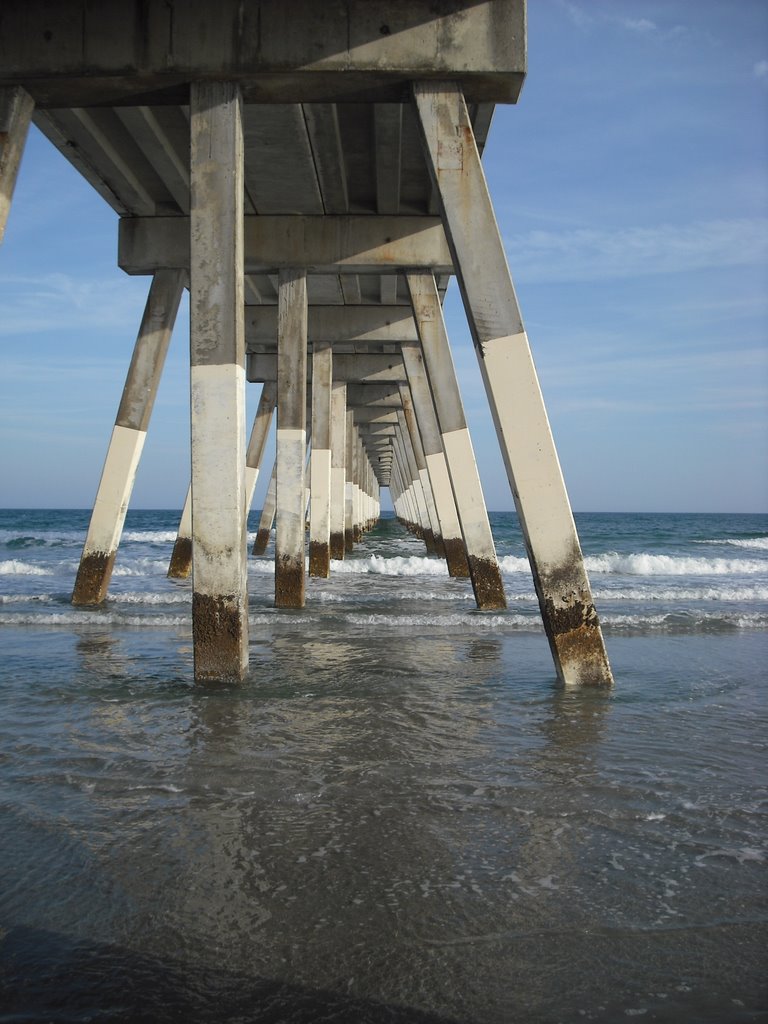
column 760, row 70
column 642, row 25
column 56, row 301
column 589, row 254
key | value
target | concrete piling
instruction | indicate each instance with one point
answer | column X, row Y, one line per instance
column 512, row 386
column 217, row 356
column 291, row 438
column 320, row 464
column 127, row 442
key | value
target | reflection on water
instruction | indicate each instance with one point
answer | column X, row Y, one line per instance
column 380, row 828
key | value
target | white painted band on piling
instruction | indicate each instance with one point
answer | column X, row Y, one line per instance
column 115, row 486
column 291, row 508
column 535, row 468
column 461, row 459
column 217, row 479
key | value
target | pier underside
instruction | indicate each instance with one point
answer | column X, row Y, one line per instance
column 312, row 174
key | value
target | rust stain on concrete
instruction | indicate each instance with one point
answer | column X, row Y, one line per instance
column 319, row 559
column 337, row 546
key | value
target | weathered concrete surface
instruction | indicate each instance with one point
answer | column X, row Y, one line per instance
column 16, row 107
column 74, row 53
column 291, row 439
column 127, row 441
column 267, row 515
column 217, row 355
column 180, row 565
column 331, row 245
column 511, row 384
column 378, row 368
column 93, row 577
column 320, row 462
column 457, row 444
column 339, row 325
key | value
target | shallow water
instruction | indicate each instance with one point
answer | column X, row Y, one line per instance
column 400, row 816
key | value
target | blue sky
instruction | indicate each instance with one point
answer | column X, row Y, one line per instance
column 631, row 189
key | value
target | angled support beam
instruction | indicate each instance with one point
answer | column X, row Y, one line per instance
column 267, row 514
column 291, row 438
column 457, row 444
column 436, row 546
column 16, row 107
column 217, row 356
column 517, row 406
column 181, row 557
column 127, row 441
column 437, row 467
column 320, row 462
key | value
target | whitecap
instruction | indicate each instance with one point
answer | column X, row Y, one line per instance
column 645, row 564
column 13, row 567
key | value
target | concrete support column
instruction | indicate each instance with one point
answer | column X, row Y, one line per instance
column 267, row 514
column 465, row 480
column 421, row 466
column 128, row 436
column 257, row 442
column 291, row 438
column 543, row 508
column 338, row 461
column 181, row 558
column 180, row 565
column 16, row 109
column 217, row 350
column 437, row 467
column 320, row 465
column 422, row 515
column 349, row 487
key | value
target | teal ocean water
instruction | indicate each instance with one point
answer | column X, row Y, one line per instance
column 400, row 816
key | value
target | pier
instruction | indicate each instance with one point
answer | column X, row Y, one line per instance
column 312, row 174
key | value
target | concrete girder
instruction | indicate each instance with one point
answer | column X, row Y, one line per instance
column 349, row 369
column 330, row 244
column 338, row 324
column 73, row 54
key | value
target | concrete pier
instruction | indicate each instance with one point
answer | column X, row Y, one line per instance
column 128, row 435
column 217, row 357
column 320, row 181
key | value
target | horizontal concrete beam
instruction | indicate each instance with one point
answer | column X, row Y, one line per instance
column 347, row 369
column 73, row 53
column 374, row 394
column 319, row 244
column 338, row 324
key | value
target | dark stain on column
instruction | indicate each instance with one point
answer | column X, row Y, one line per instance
column 181, row 559
column 486, row 582
column 260, row 544
column 337, row 546
column 456, row 557
column 319, row 559
column 217, row 633
column 289, row 582
column 93, row 578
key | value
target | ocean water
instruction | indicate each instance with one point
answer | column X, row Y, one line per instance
column 400, row 816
